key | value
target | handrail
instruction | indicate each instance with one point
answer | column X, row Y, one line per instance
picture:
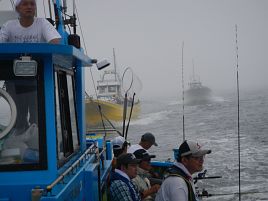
column 73, row 166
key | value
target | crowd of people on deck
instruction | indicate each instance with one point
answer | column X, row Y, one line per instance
column 132, row 172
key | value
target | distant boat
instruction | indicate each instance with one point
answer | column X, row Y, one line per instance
column 197, row 94
column 110, row 100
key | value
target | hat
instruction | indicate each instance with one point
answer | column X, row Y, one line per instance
column 118, row 142
column 149, row 137
column 143, row 154
column 192, row 148
column 128, row 158
column 17, row 2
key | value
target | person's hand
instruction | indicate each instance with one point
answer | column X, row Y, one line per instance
column 155, row 188
column 150, row 191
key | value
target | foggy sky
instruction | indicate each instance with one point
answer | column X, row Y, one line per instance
column 148, row 34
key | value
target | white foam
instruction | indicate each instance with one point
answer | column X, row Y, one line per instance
column 151, row 118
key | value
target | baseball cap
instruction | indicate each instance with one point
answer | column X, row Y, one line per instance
column 118, row 142
column 192, row 148
column 149, row 137
column 128, row 158
column 143, row 154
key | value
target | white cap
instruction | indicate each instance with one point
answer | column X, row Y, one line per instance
column 192, row 148
column 118, row 142
column 17, row 2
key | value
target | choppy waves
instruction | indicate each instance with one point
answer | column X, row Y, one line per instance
column 215, row 126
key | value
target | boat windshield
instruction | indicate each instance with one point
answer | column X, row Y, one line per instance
column 19, row 118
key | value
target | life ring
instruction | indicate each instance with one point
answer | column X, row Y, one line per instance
column 13, row 109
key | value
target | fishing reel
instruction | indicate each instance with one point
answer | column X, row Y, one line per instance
column 202, row 175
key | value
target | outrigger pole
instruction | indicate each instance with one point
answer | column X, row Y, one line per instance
column 238, row 116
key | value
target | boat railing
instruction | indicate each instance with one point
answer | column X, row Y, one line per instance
column 91, row 150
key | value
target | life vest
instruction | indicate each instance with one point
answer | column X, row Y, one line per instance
column 175, row 171
column 134, row 194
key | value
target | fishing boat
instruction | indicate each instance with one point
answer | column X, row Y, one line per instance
column 197, row 94
column 109, row 104
column 52, row 158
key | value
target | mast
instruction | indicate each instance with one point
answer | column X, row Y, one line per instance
column 59, row 20
column 193, row 70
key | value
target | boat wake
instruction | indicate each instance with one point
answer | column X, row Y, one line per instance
column 150, row 118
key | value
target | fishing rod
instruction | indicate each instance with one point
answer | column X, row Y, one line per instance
column 238, row 115
column 202, row 175
column 206, row 194
column 130, row 114
column 125, row 100
column 182, row 80
column 103, row 124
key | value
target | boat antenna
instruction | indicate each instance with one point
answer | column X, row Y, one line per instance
column 238, row 115
column 182, row 82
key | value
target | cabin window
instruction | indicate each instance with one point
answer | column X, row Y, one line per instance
column 112, row 89
column 66, row 119
column 101, row 89
column 22, row 130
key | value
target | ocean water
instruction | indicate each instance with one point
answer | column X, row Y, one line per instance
column 215, row 126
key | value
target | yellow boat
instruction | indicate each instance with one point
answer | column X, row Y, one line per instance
column 109, row 111
column 109, row 102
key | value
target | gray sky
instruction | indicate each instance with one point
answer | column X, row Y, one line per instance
column 148, row 34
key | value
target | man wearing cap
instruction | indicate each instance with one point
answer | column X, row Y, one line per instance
column 179, row 185
column 119, row 147
column 142, row 179
column 121, row 187
column 147, row 140
column 28, row 28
